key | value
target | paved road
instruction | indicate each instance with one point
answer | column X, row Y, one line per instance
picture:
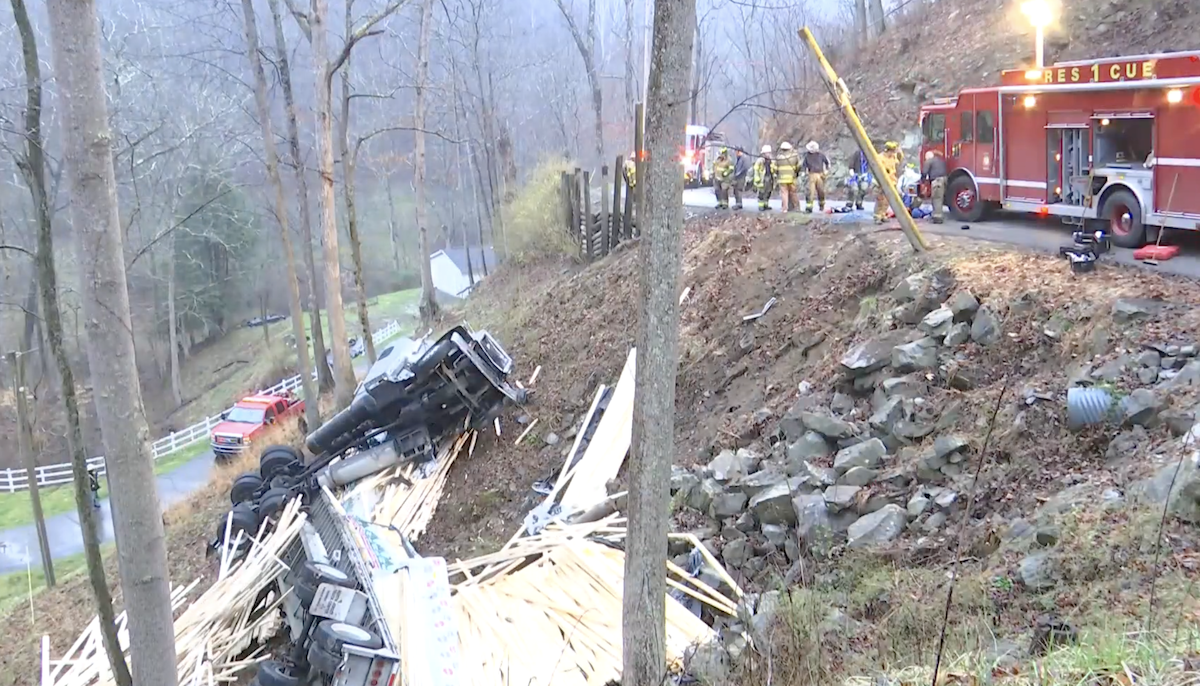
column 19, row 545
column 1045, row 235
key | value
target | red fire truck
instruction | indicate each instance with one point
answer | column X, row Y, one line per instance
column 1113, row 139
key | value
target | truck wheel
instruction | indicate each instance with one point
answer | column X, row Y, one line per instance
column 1124, row 215
column 276, row 673
column 244, row 519
column 271, row 503
column 277, row 460
column 332, row 635
column 313, row 575
column 322, row 661
column 963, row 198
column 244, row 487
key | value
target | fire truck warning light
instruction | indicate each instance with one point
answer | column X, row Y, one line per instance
column 1030, row 101
column 1174, row 96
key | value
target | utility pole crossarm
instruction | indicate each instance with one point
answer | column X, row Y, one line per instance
column 841, row 98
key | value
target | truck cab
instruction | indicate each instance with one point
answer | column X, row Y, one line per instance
column 248, row 417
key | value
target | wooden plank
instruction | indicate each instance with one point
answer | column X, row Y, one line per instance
column 589, row 236
column 604, row 246
column 564, row 198
column 606, row 452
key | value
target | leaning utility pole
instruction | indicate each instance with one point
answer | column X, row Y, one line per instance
column 25, row 445
column 841, row 98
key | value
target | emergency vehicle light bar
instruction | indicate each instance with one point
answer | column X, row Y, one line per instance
column 1178, row 82
column 1125, row 58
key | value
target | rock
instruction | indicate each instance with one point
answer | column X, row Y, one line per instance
column 682, row 479
column 957, row 335
column 551, row 438
column 821, row 476
column 1055, row 327
column 1178, row 421
column 777, row 534
column 867, row 454
column 917, row 505
column 858, row 476
column 936, row 521
column 911, row 288
column 1184, row 498
column 812, row 516
column 827, row 426
column 963, row 306
column 756, row 483
column 841, row 497
column 865, row 384
column 728, row 504
column 1111, row 370
column 724, row 466
column 1148, row 358
column 736, row 553
column 1147, row 375
column 1047, row 535
column 920, row 354
column 701, row 497
column 938, row 322
column 985, row 328
column 774, row 505
column 730, row 532
column 902, row 387
column 1187, row 377
column 946, row 446
column 745, row 523
column 868, row 357
column 1173, row 362
column 913, row 430
column 1126, row 444
column 878, row 527
column 1050, row 632
column 1140, row 408
column 885, row 418
column 1188, row 350
column 841, row 404
column 945, row 498
column 765, row 610
column 1039, row 571
column 1127, row 310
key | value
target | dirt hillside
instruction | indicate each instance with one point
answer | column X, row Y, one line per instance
column 827, row 450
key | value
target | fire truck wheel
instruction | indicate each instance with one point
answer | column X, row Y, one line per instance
column 276, row 673
column 963, row 198
column 1124, row 215
column 322, row 661
column 244, row 487
column 332, row 635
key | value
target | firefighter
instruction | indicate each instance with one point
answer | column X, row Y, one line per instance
column 934, row 172
column 93, row 473
column 741, row 169
column 787, row 168
column 763, row 177
column 890, row 162
column 894, row 148
column 722, row 178
column 816, row 164
column 860, row 178
column 630, row 170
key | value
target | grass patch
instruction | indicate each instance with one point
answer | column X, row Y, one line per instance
column 16, row 510
column 533, row 219
column 16, row 587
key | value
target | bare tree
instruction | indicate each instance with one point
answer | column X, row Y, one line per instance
column 585, row 41
column 644, row 611
column 878, row 17
column 860, row 22
column 34, row 168
column 137, row 517
column 429, row 306
column 311, row 409
column 324, row 374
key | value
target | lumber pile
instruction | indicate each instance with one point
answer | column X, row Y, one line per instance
column 214, row 632
column 547, row 609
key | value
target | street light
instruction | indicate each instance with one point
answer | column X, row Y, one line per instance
column 1039, row 14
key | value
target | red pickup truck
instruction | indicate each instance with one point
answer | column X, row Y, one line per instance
column 248, row 417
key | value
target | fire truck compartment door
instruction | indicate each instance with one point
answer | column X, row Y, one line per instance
column 1025, row 146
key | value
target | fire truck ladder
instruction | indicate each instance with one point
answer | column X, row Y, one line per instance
column 1087, row 202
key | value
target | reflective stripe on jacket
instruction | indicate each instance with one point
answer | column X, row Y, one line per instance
column 723, row 169
column 787, row 167
column 763, row 169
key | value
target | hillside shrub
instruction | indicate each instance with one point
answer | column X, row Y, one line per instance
column 533, row 219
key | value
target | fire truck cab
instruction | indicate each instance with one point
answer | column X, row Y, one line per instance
column 1115, row 140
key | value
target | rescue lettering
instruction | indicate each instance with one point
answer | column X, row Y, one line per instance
column 1100, row 73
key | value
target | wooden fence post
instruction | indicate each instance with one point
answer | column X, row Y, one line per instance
column 576, row 210
column 604, row 244
column 589, row 235
column 564, row 198
column 614, row 230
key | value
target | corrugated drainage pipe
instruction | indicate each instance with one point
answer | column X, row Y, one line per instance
column 1087, row 406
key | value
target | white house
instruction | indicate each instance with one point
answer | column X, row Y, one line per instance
column 451, row 273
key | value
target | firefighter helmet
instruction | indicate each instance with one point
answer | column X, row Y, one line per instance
column 766, row 149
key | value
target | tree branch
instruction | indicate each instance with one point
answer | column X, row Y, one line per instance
column 16, row 248
column 300, row 17
column 364, row 31
column 166, row 232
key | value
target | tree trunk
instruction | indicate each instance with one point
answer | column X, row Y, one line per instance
column 860, row 23
column 173, row 324
column 137, row 516
column 429, row 306
column 878, row 23
column 324, row 373
column 458, row 175
column 387, row 184
column 480, row 203
column 311, row 399
column 631, row 93
column 489, row 135
column 644, row 613
column 47, row 282
column 697, row 64
column 348, row 167
column 343, row 371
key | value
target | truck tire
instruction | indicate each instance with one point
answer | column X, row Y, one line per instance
column 963, row 199
column 332, row 635
column 245, row 487
column 271, row 503
column 277, row 673
column 278, row 459
column 313, row 574
column 1124, row 215
column 322, row 661
column 244, row 519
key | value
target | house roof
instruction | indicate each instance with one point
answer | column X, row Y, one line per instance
column 478, row 255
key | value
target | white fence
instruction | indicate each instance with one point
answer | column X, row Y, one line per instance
column 13, row 480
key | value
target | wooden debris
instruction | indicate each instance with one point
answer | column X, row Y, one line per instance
column 534, row 376
column 212, row 631
column 409, row 501
column 609, row 445
column 525, row 432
